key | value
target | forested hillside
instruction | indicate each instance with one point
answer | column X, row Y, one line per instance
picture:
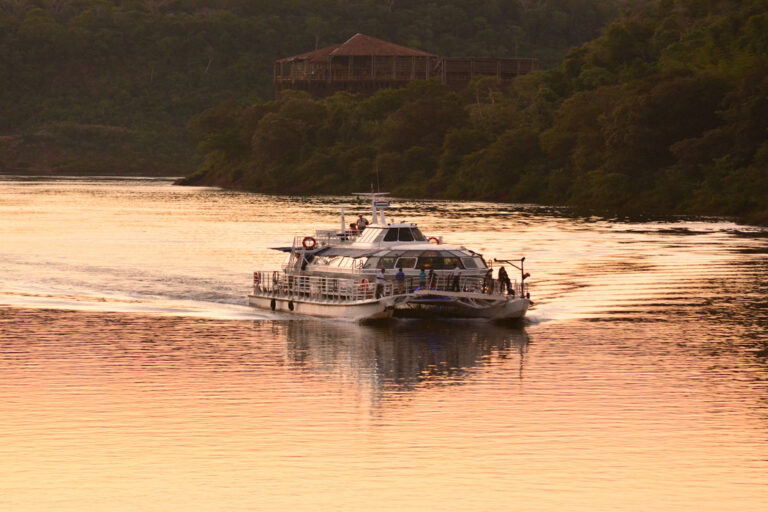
column 667, row 111
column 108, row 86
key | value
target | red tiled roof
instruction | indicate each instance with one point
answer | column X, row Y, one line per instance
column 320, row 55
column 359, row 44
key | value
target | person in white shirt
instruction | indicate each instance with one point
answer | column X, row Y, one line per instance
column 380, row 280
column 456, row 274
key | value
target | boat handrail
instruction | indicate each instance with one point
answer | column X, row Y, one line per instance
column 357, row 287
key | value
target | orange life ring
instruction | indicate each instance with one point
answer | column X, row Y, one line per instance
column 363, row 285
column 435, row 239
column 308, row 243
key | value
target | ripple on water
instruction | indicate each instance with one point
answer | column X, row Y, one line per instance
column 639, row 380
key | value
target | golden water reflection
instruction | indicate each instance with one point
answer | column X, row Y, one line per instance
column 132, row 378
column 121, row 412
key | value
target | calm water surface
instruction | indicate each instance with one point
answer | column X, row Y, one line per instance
column 133, row 378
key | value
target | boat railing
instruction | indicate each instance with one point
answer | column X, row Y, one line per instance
column 324, row 238
column 343, row 289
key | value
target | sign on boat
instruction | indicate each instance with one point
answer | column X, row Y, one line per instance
column 369, row 271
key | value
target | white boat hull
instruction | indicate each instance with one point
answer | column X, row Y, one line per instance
column 442, row 304
column 351, row 310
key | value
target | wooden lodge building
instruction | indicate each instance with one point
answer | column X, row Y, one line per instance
column 364, row 64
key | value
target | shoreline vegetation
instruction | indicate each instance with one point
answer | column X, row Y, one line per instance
column 665, row 113
column 663, row 110
column 106, row 86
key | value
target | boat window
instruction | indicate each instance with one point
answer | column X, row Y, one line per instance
column 479, row 262
column 391, row 235
column 469, row 262
column 418, row 235
column 405, row 235
column 386, row 262
column 406, row 263
column 320, row 260
column 452, row 262
column 371, row 263
column 438, row 262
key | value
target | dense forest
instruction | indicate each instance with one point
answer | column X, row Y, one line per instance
column 108, row 86
column 666, row 111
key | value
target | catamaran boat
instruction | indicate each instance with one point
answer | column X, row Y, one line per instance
column 353, row 274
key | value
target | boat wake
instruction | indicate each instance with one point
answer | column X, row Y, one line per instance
column 112, row 304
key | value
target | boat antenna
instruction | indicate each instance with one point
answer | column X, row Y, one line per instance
column 378, row 185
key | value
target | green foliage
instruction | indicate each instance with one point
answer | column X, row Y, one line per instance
column 149, row 66
column 667, row 111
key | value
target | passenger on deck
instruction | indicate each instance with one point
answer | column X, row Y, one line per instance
column 423, row 278
column 400, row 277
column 361, row 223
column 432, row 279
column 504, row 281
column 456, row 274
column 380, row 280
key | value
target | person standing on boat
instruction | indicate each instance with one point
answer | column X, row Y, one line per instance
column 400, row 277
column 504, row 281
column 432, row 279
column 456, row 274
column 361, row 223
column 380, row 280
column 423, row 278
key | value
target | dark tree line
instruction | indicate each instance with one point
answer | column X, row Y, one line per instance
column 109, row 85
column 667, row 111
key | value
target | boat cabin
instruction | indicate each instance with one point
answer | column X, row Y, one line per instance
column 338, row 259
column 376, row 234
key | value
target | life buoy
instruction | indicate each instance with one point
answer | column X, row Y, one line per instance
column 308, row 243
column 434, row 239
column 363, row 285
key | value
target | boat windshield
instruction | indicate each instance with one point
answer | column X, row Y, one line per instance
column 371, row 235
column 404, row 235
column 436, row 260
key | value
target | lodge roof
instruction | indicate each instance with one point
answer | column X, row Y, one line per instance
column 361, row 45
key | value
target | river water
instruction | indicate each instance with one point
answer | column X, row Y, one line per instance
column 132, row 377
